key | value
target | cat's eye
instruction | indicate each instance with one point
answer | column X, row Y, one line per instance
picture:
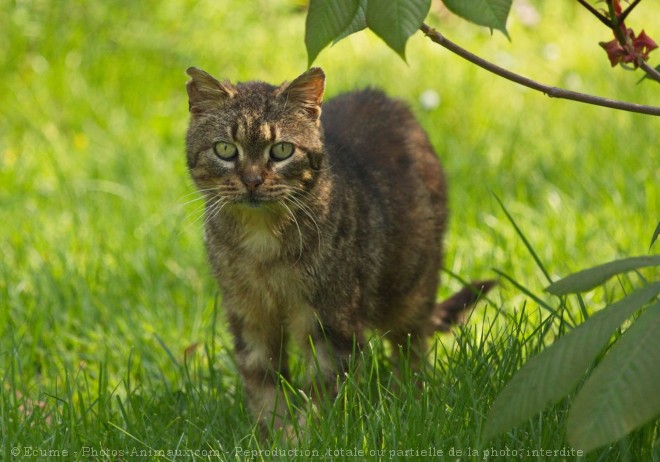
column 281, row 151
column 225, row 151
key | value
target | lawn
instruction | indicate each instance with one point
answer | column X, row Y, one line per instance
column 113, row 342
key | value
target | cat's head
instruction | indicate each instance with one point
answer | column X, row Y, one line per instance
column 253, row 143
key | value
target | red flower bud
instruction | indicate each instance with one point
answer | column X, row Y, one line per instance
column 634, row 50
column 643, row 45
column 614, row 51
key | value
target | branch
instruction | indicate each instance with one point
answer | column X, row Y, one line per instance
column 552, row 92
column 605, row 20
column 627, row 11
column 650, row 71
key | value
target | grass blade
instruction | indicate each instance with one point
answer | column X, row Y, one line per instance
column 656, row 233
column 543, row 304
column 525, row 241
column 168, row 351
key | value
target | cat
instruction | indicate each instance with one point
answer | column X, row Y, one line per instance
column 319, row 224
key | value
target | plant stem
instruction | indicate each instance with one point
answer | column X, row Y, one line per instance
column 553, row 92
column 618, row 27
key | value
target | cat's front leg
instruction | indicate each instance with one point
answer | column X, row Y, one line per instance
column 332, row 350
column 260, row 348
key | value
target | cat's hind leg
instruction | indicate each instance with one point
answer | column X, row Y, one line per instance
column 410, row 342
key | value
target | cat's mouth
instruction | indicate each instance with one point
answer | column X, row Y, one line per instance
column 255, row 200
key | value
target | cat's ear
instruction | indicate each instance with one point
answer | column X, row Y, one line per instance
column 305, row 93
column 205, row 92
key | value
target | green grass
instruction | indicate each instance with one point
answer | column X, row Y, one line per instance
column 113, row 337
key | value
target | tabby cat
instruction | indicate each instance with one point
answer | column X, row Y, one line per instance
column 319, row 224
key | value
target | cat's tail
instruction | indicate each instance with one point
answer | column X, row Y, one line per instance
column 451, row 311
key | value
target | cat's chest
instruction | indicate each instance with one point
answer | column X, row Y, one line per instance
column 260, row 244
column 262, row 283
column 275, row 295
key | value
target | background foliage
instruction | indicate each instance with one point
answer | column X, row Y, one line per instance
column 104, row 286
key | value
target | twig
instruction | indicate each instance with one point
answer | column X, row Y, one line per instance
column 616, row 23
column 553, row 92
column 651, row 72
column 602, row 18
column 627, row 11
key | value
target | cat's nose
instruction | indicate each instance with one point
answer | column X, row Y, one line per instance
column 252, row 180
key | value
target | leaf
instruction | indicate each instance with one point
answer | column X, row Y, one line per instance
column 326, row 20
column 489, row 13
column 551, row 375
column 359, row 22
column 593, row 277
column 655, row 235
column 622, row 393
column 396, row 20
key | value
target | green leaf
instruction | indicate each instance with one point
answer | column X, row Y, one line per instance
column 359, row 22
column 593, row 277
column 326, row 20
column 551, row 375
column 396, row 20
column 622, row 393
column 655, row 235
column 489, row 13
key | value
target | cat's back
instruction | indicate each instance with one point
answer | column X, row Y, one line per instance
column 376, row 140
column 365, row 120
column 388, row 180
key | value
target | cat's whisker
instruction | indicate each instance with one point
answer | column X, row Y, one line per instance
column 215, row 210
column 201, row 197
column 186, row 223
column 305, row 209
column 295, row 220
column 196, row 192
column 208, row 212
column 189, row 221
column 302, row 203
column 157, row 219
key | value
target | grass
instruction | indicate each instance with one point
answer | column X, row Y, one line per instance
column 113, row 344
